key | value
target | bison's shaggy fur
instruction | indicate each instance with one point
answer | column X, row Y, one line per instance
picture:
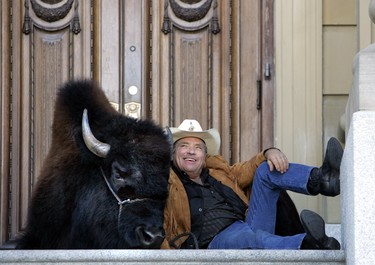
column 72, row 206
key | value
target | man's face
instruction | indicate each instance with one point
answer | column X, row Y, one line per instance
column 189, row 155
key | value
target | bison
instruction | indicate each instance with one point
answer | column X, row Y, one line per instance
column 104, row 181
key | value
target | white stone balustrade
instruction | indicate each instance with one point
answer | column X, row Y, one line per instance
column 358, row 166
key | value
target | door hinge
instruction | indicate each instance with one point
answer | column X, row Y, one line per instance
column 267, row 70
column 259, row 94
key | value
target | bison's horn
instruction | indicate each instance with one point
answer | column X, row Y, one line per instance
column 94, row 145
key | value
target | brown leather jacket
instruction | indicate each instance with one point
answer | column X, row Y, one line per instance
column 239, row 177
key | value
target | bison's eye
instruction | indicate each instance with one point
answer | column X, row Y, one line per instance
column 119, row 171
column 125, row 174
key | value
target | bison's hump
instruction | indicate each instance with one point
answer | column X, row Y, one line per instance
column 106, row 123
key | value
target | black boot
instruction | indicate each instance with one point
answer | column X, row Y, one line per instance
column 326, row 179
column 316, row 237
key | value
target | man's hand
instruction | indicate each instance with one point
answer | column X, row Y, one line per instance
column 276, row 160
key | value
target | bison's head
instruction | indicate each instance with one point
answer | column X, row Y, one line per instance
column 135, row 167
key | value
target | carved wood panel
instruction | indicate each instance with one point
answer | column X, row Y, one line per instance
column 47, row 51
column 191, row 78
column 50, row 69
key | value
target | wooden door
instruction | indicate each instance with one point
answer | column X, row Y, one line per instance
column 165, row 60
column 212, row 61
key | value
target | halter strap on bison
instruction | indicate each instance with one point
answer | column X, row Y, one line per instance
column 104, row 181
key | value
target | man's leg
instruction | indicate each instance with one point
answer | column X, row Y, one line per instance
column 265, row 193
column 258, row 230
column 239, row 235
column 299, row 178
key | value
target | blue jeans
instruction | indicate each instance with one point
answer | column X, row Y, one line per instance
column 257, row 232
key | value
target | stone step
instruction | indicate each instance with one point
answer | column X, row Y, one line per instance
column 175, row 257
column 178, row 257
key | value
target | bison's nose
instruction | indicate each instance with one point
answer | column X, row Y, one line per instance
column 150, row 237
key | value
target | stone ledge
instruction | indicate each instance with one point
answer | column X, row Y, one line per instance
column 335, row 231
column 176, row 257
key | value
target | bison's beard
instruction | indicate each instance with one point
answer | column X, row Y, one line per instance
column 134, row 224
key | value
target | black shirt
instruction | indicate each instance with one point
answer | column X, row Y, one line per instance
column 213, row 207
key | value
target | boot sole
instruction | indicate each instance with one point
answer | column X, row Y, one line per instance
column 314, row 225
column 335, row 152
column 317, row 229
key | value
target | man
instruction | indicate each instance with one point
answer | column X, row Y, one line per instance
column 207, row 206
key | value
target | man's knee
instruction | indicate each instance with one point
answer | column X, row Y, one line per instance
column 263, row 168
column 262, row 173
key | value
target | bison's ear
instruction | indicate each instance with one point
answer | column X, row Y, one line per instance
column 169, row 136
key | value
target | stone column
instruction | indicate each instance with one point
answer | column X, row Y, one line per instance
column 358, row 165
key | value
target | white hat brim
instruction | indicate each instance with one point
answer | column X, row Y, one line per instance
column 211, row 137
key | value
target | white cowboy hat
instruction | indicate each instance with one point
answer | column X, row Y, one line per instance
column 192, row 128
